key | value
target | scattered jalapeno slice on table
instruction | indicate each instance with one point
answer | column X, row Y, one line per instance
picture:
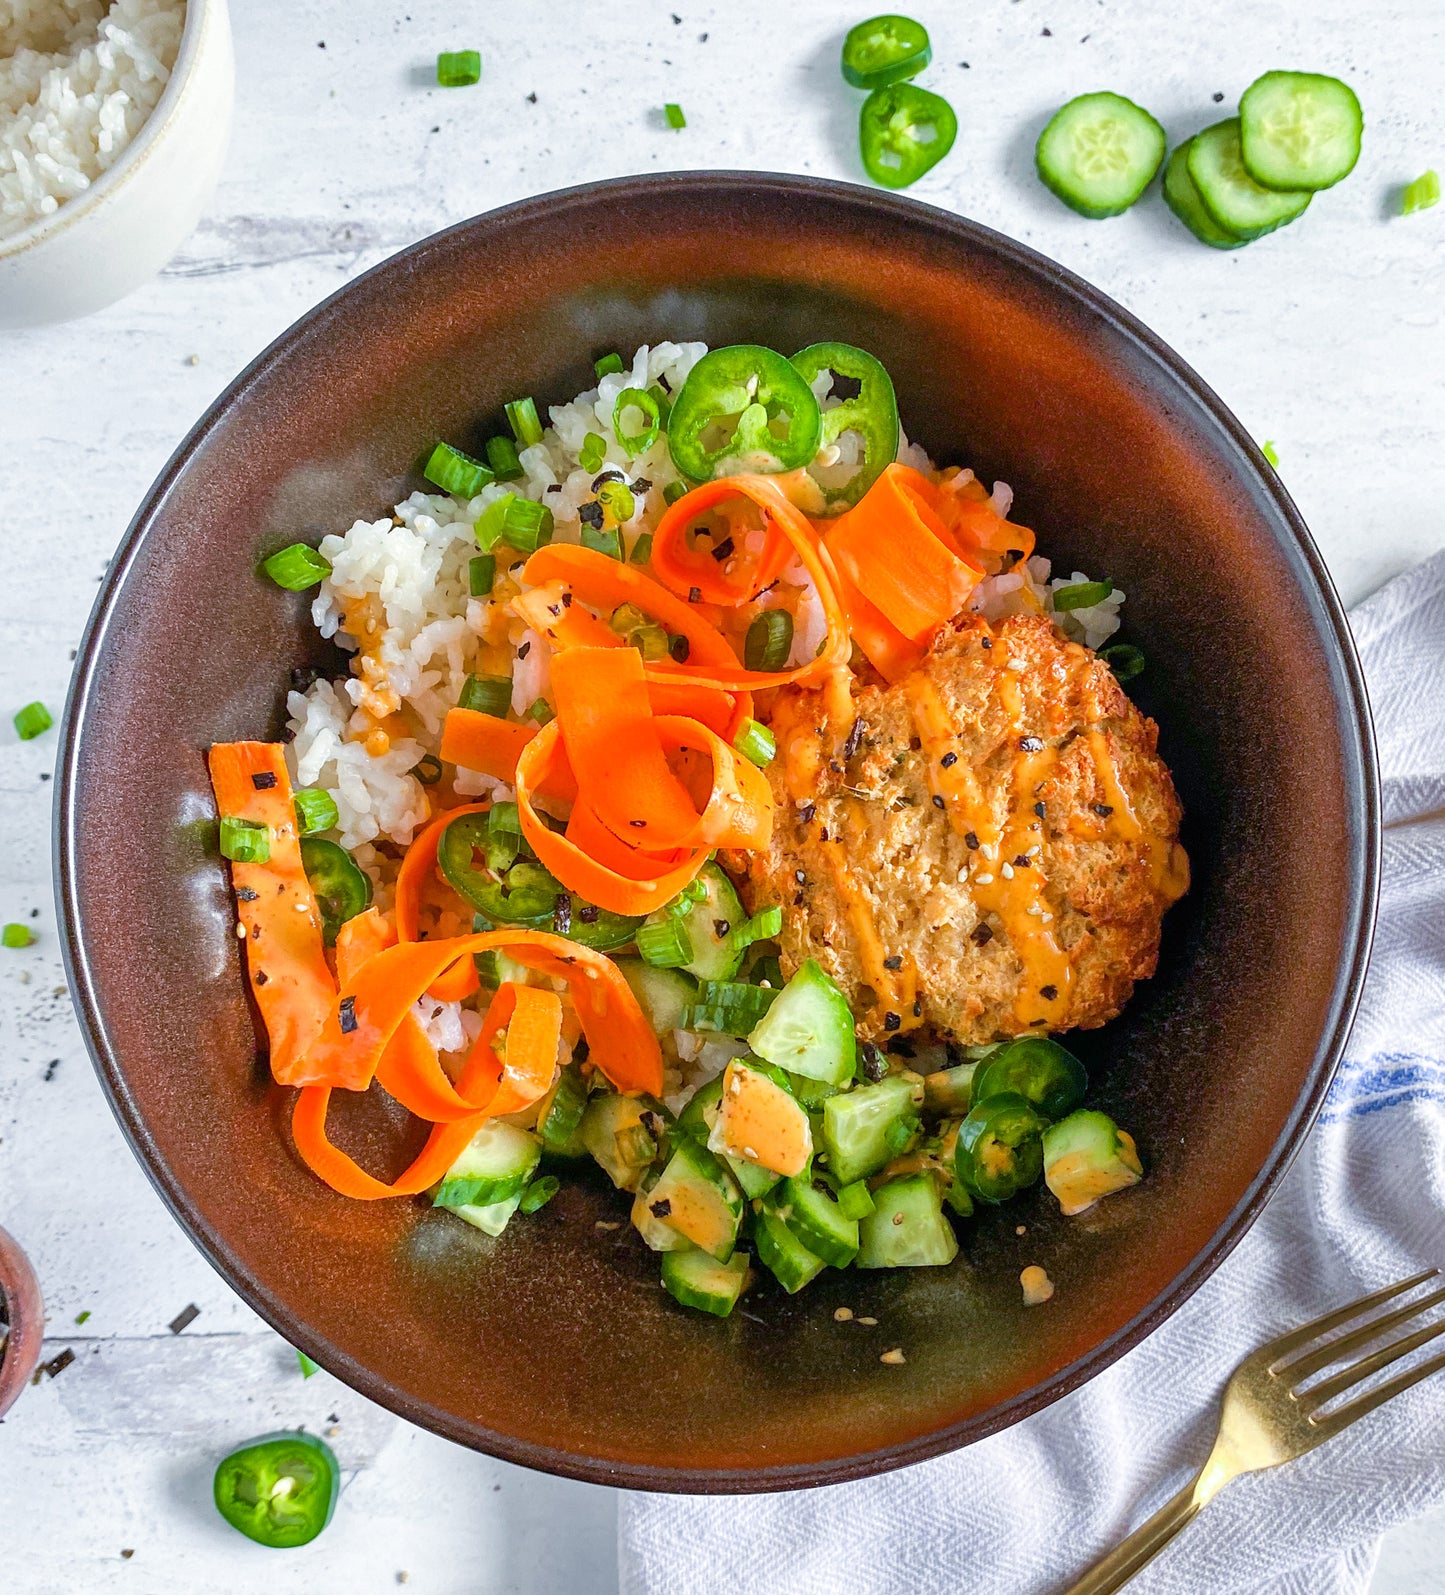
column 342, row 887
column 903, row 132
column 871, row 412
column 885, row 49
column 1000, row 1147
column 1037, row 1069
column 743, row 408
column 279, row 1490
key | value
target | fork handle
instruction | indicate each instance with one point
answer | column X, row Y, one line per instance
column 1145, row 1543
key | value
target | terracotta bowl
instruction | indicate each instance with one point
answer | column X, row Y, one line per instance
column 554, row 1346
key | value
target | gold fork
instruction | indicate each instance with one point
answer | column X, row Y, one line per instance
column 1269, row 1415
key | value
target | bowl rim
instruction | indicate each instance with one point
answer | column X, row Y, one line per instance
column 1360, row 753
column 75, row 211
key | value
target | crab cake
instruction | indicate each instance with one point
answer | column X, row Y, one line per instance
column 989, row 852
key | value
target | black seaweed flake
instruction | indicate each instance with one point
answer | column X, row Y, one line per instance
column 1042, row 810
column 642, row 485
column 806, row 813
column 980, row 934
column 823, row 833
column 894, row 961
column 260, row 977
column 678, row 648
column 662, row 1208
column 247, row 894
column 918, row 1007
column 562, row 913
column 184, row 1319
column 720, row 928
column 1049, row 993
column 263, row 780
column 591, row 515
column 57, row 1364
column 524, row 650
column 1023, row 861
column 855, row 738
column 588, row 914
column 694, row 595
column 724, row 550
column 874, row 1064
column 970, row 841
column 347, row 1012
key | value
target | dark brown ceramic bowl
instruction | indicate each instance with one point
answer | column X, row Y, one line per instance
column 554, row 1346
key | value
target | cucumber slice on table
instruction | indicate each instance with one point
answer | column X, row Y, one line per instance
column 907, row 1228
column 809, row 1029
column 817, row 1221
column 1099, row 153
column 856, row 1125
column 1182, row 197
column 1299, row 130
column 1232, row 198
column 780, row 1250
column 494, row 1165
column 697, row 1280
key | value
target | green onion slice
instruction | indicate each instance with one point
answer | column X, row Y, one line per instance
column 674, row 491
column 616, row 498
column 296, row 568
column 315, row 810
column 526, row 524
column 1422, row 194
column 769, row 640
column 637, row 399
column 244, row 842
column 608, row 541
column 455, row 472
column 675, row 118
column 17, row 935
column 306, row 1365
column 642, row 549
column 665, row 945
column 539, row 1193
column 541, row 712
column 427, row 769
column 525, row 424
column 608, row 365
column 592, row 453
column 502, row 457
column 504, row 819
column 486, row 694
column 1082, row 595
column 1124, row 659
column 1270, row 453
column 458, row 68
column 32, row 721
column 765, row 925
column 754, row 741
column 728, row 1006
column 481, row 573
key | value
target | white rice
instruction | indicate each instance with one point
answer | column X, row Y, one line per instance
column 78, row 78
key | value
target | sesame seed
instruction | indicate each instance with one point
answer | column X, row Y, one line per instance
column 841, row 1315
column 1007, row 872
column 1031, row 744
column 868, row 1322
column 1033, row 909
column 1021, row 1229
column 607, row 1224
column 989, row 850
column 299, row 907
column 748, row 1152
column 894, row 1358
column 898, row 1218
column 1017, row 664
column 240, row 931
column 983, row 880
column 1035, row 850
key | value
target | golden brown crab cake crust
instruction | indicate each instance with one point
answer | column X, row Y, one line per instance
column 990, row 852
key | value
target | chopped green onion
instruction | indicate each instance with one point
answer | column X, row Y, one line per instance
column 899, row 1135
column 1124, row 659
column 592, row 453
column 17, row 935
column 296, row 568
column 523, row 419
column 245, row 843
column 694, row 892
column 1270, row 453
column 756, row 742
column 307, row 1366
column 491, row 523
column 642, row 549
column 526, row 524
column 315, row 810
column 539, row 1193
column 1082, row 595
column 504, row 819
column 481, row 573
column 607, row 542
column 455, row 472
column 662, row 399
column 458, row 68
column 616, row 498
column 675, row 118
column 728, row 1006
column 769, row 640
column 32, row 721
column 855, row 1200
column 608, row 365
column 1422, row 194
column 665, row 945
column 637, row 399
column 626, row 619
column 542, row 712
column 80, row 1318
column 651, row 641
column 766, row 924
column 502, row 457
column 486, row 694
column 674, row 491
column 427, row 769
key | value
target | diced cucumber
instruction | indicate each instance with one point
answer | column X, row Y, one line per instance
column 811, row 1093
column 907, row 1228
column 697, row 1280
column 497, row 968
column 617, row 1131
column 710, row 921
column 816, row 1219
column 1231, row 196
column 1182, row 197
column 699, row 1198
column 696, row 1120
column 809, row 1029
column 950, row 1090
column 760, row 1120
column 494, row 1165
column 780, row 1250
column 493, row 1218
column 1299, row 130
column 857, row 1125
column 1099, row 153
column 1087, row 1156
column 855, row 1200
column 662, row 993
column 560, row 1117
column 655, row 1234
column 754, row 1179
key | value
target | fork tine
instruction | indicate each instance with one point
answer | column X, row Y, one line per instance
column 1281, row 1347
column 1327, row 1389
column 1331, row 1423
column 1300, row 1368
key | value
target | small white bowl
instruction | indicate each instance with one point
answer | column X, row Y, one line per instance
column 97, row 247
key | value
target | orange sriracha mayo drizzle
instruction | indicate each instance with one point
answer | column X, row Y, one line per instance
column 1167, row 862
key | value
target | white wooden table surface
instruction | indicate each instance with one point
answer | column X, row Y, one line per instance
column 1327, row 339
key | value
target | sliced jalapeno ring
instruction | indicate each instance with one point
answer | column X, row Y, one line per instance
column 1037, row 1069
column 871, row 412
column 885, row 49
column 903, row 132
column 1000, row 1147
column 342, row 887
column 743, row 408
column 279, row 1490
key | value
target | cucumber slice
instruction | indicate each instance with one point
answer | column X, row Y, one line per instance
column 816, row 1219
column 662, row 993
column 1182, row 197
column 1299, row 130
column 950, row 1090
column 759, row 1120
column 696, row 1120
column 655, row 1234
column 494, row 1165
column 493, row 1218
column 811, row 1093
column 856, row 1125
column 809, row 1029
column 697, row 1280
column 710, row 922
column 1099, row 153
column 699, row 1198
column 1087, row 1156
column 1231, row 196
column 907, row 1228
column 560, row 1117
column 780, row 1250
column 618, row 1130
